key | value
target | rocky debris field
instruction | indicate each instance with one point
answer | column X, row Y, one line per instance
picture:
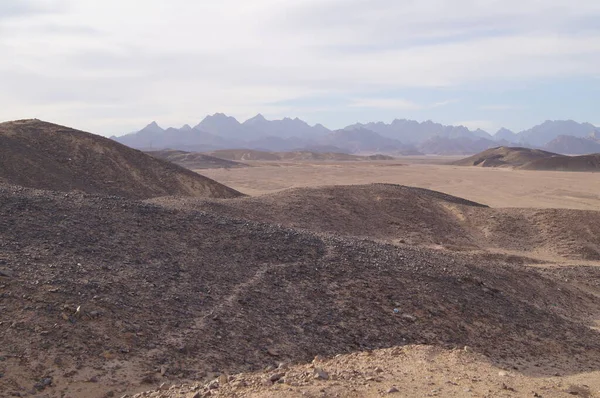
column 101, row 296
column 409, row 371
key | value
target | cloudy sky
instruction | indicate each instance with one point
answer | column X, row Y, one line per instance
column 113, row 66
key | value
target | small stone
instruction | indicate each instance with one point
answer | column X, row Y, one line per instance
column 163, row 370
column 409, row 317
column 6, row 273
column 163, row 387
column 276, row 376
column 378, row 370
column 223, row 379
column 583, row 391
column 321, row 374
column 502, row 373
column 213, row 385
column 392, row 390
column 272, row 352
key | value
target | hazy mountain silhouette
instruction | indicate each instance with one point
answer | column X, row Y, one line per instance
column 413, row 132
column 543, row 133
column 570, row 145
column 506, row 135
column 220, row 131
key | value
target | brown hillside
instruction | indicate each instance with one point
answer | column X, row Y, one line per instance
column 48, row 156
column 417, row 216
column 105, row 294
column 589, row 163
column 381, row 211
column 504, row 157
column 194, row 160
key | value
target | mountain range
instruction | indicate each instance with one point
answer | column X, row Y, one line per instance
column 400, row 137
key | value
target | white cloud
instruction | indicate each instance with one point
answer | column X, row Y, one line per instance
column 182, row 59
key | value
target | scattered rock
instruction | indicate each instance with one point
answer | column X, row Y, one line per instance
column 272, row 352
column 321, row 374
column 163, row 387
column 409, row 317
column 276, row 376
column 581, row 391
column 6, row 273
column 43, row 383
column 392, row 390
column 223, row 379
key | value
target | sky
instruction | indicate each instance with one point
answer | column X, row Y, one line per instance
column 113, row 66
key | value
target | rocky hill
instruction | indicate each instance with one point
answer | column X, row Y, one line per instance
column 532, row 159
column 583, row 163
column 43, row 155
column 103, row 295
column 504, row 157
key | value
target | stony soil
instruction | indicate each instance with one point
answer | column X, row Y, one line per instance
column 102, row 295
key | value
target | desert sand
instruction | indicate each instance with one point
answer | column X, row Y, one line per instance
column 491, row 186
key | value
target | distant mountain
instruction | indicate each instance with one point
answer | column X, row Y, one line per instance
column 154, row 137
column 220, row 131
column 401, row 136
column 543, row 133
column 223, row 126
column 361, row 140
column 506, row 135
column 413, row 132
column 258, row 127
column 455, row 146
column 570, row 145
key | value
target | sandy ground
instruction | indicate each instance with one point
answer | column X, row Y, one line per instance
column 492, row 186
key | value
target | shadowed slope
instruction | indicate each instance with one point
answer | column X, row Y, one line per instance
column 48, row 156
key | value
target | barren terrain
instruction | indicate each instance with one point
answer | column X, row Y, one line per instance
column 491, row 186
column 385, row 285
